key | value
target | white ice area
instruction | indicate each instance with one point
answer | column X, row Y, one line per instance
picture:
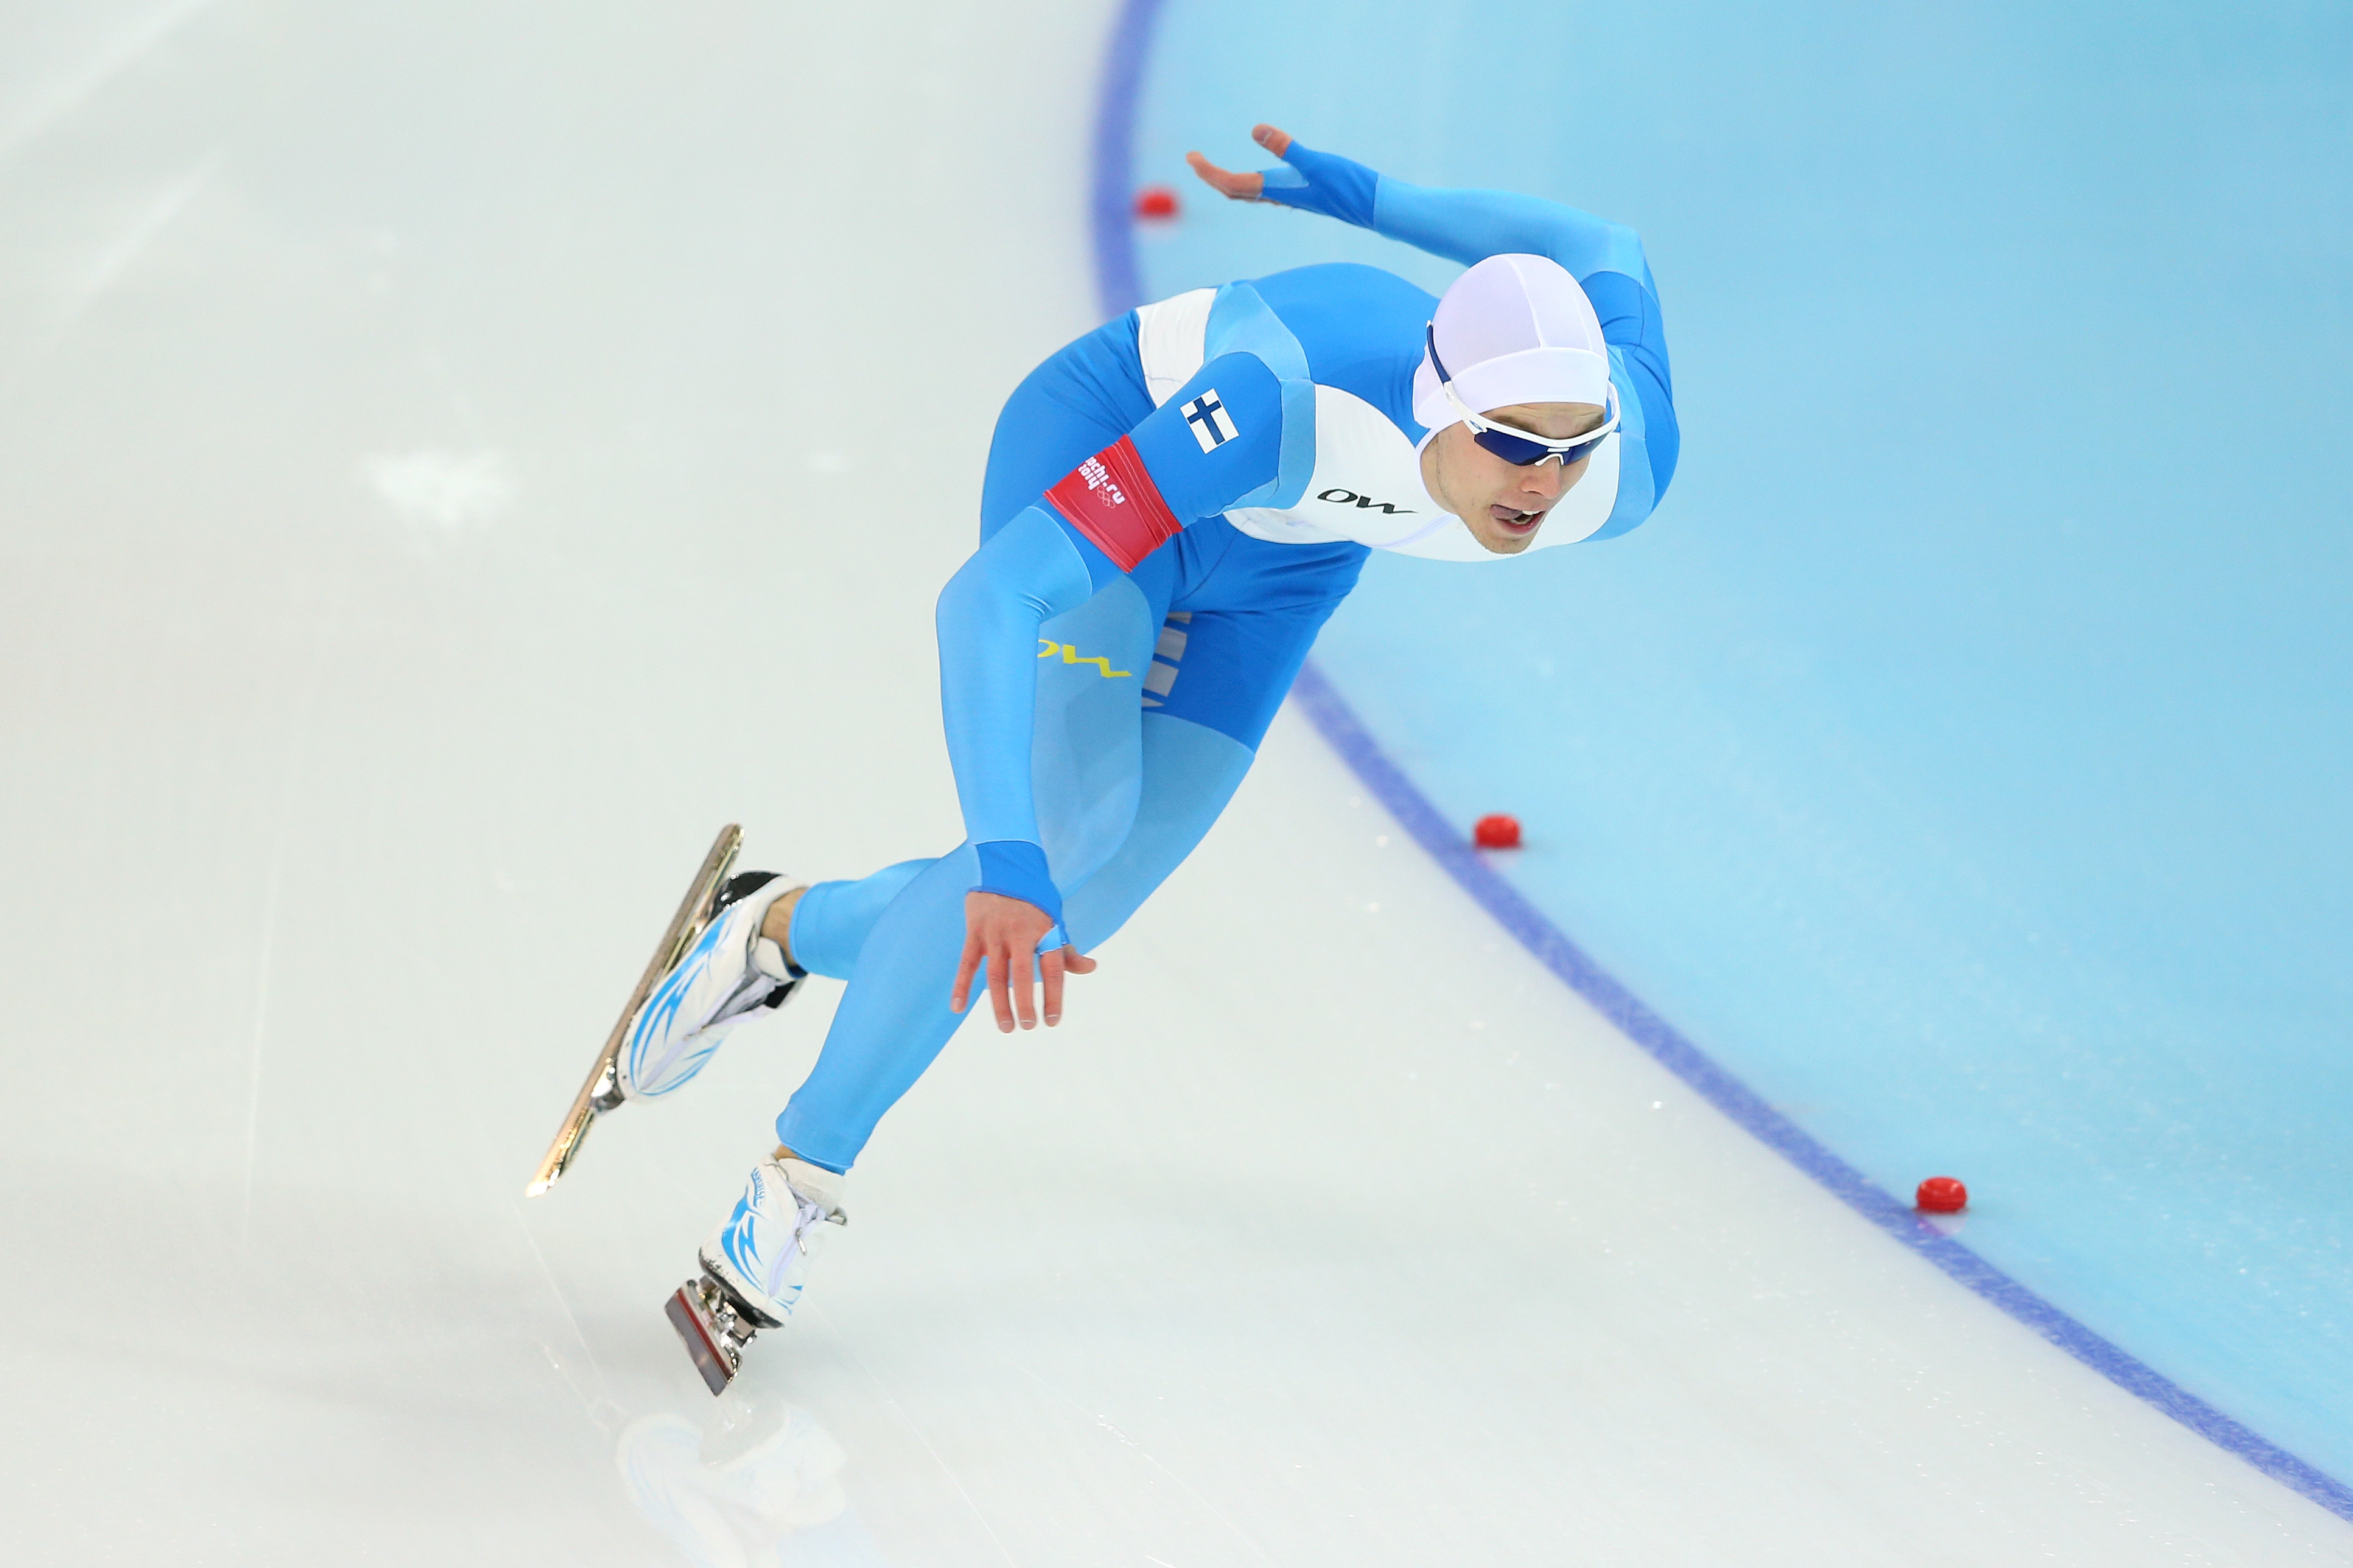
column 452, row 458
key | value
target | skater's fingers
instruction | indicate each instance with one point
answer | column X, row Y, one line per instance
column 1049, row 965
column 961, row 998
column 1064, row 960
column 1025, row 998
column 1272, row 138
column 1000, row 971
column 1226, row 182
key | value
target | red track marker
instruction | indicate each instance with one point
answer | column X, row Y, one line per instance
column 1942, row 1195
column 1497, row 832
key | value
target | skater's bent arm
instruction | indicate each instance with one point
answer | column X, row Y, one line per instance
column 990, row 613
column 1027, row 573
column 1217, row 441
column 1097, row 523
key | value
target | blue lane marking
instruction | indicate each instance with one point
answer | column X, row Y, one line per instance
column 1120, row 285
column 1339, row 726
column 1113, row 217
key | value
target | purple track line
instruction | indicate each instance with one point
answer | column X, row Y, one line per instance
column 1119, row 286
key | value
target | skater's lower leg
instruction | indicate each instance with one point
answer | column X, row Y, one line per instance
column 828, row 925
column 797, row 931
column 895, row 1017
column 892, row 1020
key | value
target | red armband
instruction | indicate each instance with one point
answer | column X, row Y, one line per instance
column 1112, row 499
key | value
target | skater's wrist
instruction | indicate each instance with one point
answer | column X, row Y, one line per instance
column 1015, row 869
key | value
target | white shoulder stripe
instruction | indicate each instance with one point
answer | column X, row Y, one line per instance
column 1169, row 338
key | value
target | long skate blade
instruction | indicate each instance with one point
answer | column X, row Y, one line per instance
column 713, row 1356
column 693, row 914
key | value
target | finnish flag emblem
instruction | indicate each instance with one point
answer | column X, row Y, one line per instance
column 1212, row 425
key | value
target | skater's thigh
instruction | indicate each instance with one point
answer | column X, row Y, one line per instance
column 1216, row 679
column 1085, row 397
column 1087, row 748
column 1190, row 773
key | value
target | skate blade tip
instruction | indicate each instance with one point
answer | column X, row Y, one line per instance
column 536, row 1188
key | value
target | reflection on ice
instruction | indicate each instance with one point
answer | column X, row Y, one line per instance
column 442, row 489
column 755, row 1483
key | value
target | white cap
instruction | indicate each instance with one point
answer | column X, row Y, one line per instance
column 1513, row 329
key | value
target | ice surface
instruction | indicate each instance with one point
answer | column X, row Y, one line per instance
column 451, row 460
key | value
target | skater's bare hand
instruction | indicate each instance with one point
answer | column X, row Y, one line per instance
column 1241, row 187
column 1004, row 934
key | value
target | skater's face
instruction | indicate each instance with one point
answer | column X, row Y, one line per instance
column 1502, row 503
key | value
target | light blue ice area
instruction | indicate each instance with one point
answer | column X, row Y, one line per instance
column 1961, row 754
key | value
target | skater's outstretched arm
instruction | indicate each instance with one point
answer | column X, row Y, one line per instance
column 1464, row 225
column 1217, row 440
column 1470, row 226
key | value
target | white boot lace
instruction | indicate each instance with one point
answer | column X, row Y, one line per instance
column 806, row 1217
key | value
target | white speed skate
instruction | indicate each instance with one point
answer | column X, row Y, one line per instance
column 711, row 967
column 729, row 971
column 755, row 1263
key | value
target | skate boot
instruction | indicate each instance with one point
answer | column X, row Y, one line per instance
column 755, row 1263
column 731, row 970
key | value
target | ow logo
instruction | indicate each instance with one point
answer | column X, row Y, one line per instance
column 1343, row 498
column 1048, row 647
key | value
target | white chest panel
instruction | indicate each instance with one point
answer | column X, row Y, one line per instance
column 1366, row 484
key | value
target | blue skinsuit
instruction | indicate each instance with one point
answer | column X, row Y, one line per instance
column 1114, row 652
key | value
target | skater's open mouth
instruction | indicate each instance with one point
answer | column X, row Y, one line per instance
column 1517, row 521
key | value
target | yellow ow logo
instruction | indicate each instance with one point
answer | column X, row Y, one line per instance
column 1048, row 647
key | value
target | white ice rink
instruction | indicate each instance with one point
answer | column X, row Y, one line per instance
column 453, row 456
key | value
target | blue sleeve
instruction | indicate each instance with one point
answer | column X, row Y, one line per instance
column 1470, row 226
column 1027, row 573
column 1221, row 441
column 1464, row 225
column 1196, row 481
column 1051, row 557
